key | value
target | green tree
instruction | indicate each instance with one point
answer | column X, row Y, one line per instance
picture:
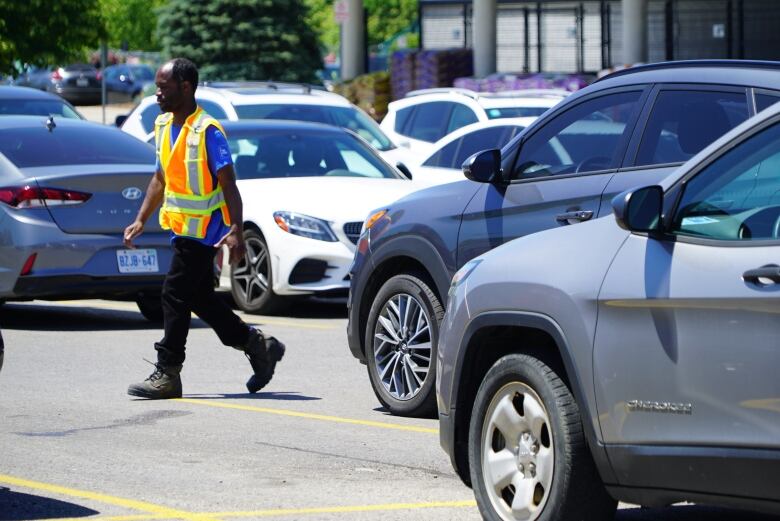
column 132, row 21
column 385, row 18
column 242, row 39
column 42, row 32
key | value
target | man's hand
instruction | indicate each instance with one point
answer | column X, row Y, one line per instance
column 234, row 240
column 133, row 231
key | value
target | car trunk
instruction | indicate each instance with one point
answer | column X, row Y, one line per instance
column 117, row 193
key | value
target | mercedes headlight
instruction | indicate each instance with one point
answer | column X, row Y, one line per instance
column 305, row 226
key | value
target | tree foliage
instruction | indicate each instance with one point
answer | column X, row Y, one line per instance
column 132, row 21
column 241, row 39
column 385, row 18
column 42, row 32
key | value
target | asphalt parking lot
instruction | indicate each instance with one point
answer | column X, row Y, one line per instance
column 313, row 445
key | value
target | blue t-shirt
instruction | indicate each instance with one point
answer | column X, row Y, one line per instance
column 218, row 154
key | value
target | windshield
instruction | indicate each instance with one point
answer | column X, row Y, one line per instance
column 262, row 154
column 516, row 112
column 346, row 117
column 30, row 147
column 37, row 107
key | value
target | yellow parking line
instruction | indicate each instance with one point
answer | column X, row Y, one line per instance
column 310, row 416
column 388, row 507
column 158, row 510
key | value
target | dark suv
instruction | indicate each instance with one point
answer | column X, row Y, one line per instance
column 628, row 129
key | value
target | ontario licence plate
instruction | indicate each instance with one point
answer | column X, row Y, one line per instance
column 82, row 82
column 137, row 261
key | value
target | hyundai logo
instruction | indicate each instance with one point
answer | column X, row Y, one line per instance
column 132, row 193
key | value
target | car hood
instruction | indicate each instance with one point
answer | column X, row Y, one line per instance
column 330, row 198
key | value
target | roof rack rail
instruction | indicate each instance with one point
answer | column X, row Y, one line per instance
column 737, row 64
column 443, row 90
column 528, row 93
column 306, row 88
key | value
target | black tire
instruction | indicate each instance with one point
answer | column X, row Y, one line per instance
column 524, row 388
column 250, row 278
column 150, row 307
column 397, row 386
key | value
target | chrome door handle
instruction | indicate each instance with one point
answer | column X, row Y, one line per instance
column 578, row 216
column 761, row 276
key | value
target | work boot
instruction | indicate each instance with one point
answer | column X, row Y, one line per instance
column 162, row 384
column 263, row 353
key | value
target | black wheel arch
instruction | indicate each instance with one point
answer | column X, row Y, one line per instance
column 514, row 332
column 409, row 254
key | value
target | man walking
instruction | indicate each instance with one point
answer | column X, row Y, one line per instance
column 195, row 182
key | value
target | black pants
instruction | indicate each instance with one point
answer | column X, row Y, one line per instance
column 189, row 287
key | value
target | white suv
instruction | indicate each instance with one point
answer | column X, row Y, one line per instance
column 267, row 100
column 425, row 116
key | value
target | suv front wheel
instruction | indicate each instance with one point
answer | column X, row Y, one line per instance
column 527, row 451
column 403, row 328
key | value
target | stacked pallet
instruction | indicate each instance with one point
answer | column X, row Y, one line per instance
column 402, row 72
column 440, row 68
column 370, row 92
column 513, row 82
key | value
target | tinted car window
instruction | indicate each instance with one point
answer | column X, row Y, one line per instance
column 213, row 109
column 460, row 117
column 401, row 117
column 151, row 112
column 345, row 117
column 493, row 137
column 585, row 138
column 287, row 153
column 738, row 196
column 29, row 147
column 683, row 122
column 764, row 101
column 444, row 157
column 36, row 107
column 430, row 121
column 515, row 112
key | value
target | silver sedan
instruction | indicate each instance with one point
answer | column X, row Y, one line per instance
column 67, row 190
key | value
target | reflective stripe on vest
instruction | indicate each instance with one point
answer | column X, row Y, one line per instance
column 194, row 204
column 190, row 197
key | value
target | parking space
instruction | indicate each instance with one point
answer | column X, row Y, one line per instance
column 314, row 445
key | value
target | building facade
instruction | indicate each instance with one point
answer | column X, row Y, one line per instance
column 586, row 36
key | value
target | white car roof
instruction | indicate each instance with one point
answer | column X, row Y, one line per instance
column 487, row 100
column 258, row 95
column 455, row 134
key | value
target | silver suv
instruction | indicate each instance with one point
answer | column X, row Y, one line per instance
column 630, row 358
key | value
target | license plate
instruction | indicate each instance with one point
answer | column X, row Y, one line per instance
column 137, row 261
column 82, row 82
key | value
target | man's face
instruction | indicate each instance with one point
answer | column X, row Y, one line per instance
column 171, row 94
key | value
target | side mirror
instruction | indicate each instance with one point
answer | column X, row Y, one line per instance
column 484, row 167
column 404, row 170
column 639, row 210
column 119, row 120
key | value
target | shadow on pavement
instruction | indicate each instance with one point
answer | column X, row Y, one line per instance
column 311, row 307
column 16, row 506
column 280, row 396
column 688, row 513
column 43, row 317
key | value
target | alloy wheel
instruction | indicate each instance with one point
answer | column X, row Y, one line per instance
column 517, row 453
column 402, row 346
column 251, row 273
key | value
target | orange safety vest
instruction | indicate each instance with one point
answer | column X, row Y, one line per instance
column 190, row 194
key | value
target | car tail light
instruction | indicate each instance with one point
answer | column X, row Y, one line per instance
column 28, row 264
column 98, row 76
column 33, row 197
column 56, row 75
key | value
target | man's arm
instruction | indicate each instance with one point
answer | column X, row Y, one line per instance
column 153, row 199
column 234, row 239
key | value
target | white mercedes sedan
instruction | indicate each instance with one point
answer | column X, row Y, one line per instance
column 307, row 189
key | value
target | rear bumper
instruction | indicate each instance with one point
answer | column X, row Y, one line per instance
column 65, row 287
